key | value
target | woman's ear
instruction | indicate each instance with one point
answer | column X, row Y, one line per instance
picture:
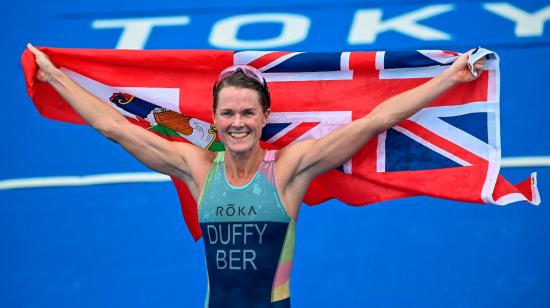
column 266, row 114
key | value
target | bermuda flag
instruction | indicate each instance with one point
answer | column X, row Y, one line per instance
column 455, row 140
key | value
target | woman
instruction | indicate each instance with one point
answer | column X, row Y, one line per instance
column 248, row 197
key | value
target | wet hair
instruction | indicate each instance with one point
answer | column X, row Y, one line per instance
column 241, row 81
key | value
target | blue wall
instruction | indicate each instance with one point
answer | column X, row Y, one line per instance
column 126, row 245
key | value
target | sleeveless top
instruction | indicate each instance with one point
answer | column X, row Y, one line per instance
column 248, row 239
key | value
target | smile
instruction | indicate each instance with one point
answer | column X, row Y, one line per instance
column 239, row 135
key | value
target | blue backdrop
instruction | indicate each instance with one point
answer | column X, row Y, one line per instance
column 126, row 245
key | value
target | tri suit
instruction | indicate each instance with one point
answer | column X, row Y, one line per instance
column 248, row 237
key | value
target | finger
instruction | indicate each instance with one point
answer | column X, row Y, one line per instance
column 468, row 53
column 34, row 50
column 31, row 47
column 41, row 75
column 462, row 60
column 480, row 63
column 482, row 60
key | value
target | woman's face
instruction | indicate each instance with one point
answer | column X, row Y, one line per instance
column 239, row 118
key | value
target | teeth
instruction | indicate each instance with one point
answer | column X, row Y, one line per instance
column 238, row 134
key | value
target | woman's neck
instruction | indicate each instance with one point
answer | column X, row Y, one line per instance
column 240, row 167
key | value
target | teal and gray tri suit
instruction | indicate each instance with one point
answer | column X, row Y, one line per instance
column 248, row 238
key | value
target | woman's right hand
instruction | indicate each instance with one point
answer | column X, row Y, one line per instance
column 46, row 69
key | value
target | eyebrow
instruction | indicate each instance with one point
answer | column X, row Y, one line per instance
column 232, row 110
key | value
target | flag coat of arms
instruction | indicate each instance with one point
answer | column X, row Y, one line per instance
column 453, row 140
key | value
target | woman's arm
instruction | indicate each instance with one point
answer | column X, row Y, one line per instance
column 314, row 157
column 167, row 157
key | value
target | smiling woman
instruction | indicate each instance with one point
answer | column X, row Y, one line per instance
column 241, row 107
column 248, row 197
column 239, row 119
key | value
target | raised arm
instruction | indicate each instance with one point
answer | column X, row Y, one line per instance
column 172, row 158
column 305, row 160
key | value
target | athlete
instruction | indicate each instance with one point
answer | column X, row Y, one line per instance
column 248, row 197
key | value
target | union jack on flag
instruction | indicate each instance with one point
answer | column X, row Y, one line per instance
column 453, row 140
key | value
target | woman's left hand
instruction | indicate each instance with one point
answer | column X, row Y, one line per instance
column 460, row 71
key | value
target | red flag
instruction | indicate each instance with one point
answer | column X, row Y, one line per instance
column 454, row 140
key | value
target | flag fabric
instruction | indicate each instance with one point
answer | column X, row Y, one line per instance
column 453, row 140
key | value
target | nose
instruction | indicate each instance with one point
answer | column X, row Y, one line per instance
column 238, row 121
